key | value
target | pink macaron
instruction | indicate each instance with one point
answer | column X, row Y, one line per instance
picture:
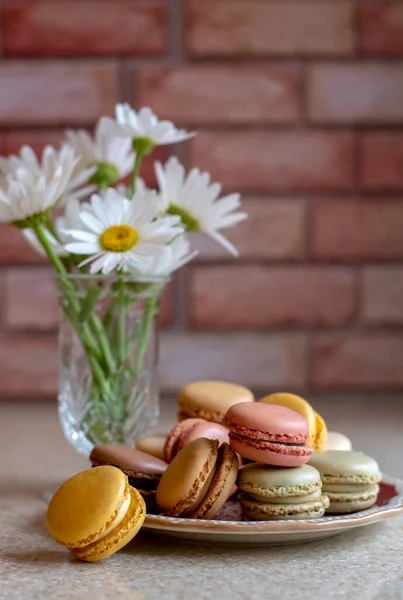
column 268, row 433
column 188, row 430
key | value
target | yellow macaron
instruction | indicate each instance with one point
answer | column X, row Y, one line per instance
column 95, row 513
column 210, row 400
column 317, row 425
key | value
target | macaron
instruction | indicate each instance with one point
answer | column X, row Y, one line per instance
column 188, row 430
column 143, row 470
column 268, row 433
column 349, row 479
column 210, row 400
column 95, row 513
column 317, row 425
column 337, row 441
column 199, row 480
column 152, row 444
column 272, row 493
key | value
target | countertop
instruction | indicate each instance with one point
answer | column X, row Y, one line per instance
column 363, row 564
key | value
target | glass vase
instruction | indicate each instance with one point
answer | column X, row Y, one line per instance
column 108, row 341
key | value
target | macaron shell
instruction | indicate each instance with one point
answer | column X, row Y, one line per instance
column 283, row 456
column 133, row 463
column 263, row 511
column 337, row 441
column 178, row 432
column 85, row 504
column 119, row 537
column 273, row 482
column 270, row 422
column 222, row 484
column 210, row 400
column 212, row 431
column 350, row 507
column 338, row 466
column 296, row 403
column 183, row 484
column 372, row 491
column 320, row 437
column 153, row 444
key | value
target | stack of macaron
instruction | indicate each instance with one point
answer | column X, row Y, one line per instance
column 350, row 479
column 295, row 469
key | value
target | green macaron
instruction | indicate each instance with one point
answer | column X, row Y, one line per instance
column 349, row 479
column 273, row 493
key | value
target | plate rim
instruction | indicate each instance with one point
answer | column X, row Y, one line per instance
column 330, row 523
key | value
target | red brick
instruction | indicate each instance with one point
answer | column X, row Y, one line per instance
column 380, row 28
column 36, row 138
column 28, row 366
column 31, row 299
column 166, row 307
column 356, row 93
column 255, row 360
column 81, row 27
column 256, row 28
column 14, row 249
column 221, row 94
column 382, row 295
column 274, row 229
column 56, row 93
column 358, row 360
column 382, row 160
column 284, row 160
column 346, row 229
column 255, row 297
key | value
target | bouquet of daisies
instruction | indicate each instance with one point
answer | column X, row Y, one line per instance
column 73, row 207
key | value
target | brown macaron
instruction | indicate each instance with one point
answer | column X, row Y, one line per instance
column 199, row 480
column 143, row 470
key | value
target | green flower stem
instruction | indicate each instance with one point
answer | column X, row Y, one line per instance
column 68, row 286
column 151, row 308
column 52, row 228
column 121, row 325
column 136, row 170
column 103, row 342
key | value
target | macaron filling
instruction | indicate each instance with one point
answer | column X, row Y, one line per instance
column 288, row 448
column 118, row 519
column 271, row 436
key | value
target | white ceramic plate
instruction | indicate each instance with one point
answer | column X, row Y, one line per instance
column 228, row 528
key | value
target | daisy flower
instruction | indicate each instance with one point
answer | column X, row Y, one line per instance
column 52, row 162
column 119, row 233
column 178, row 254
column 27, row 194
column 197, row 202
column 70, row 220
column 145, row 126
column 108, row 152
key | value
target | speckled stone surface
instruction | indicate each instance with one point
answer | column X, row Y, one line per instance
column 365, row 564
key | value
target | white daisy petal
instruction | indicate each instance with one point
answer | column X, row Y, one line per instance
column 196, row 200
column 220, row 239
column 82, row 248
column 145, row 124
column 91, row 222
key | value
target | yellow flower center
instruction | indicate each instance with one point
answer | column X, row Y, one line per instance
column 118, row 238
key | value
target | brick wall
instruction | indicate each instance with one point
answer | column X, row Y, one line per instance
column 299, row 104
